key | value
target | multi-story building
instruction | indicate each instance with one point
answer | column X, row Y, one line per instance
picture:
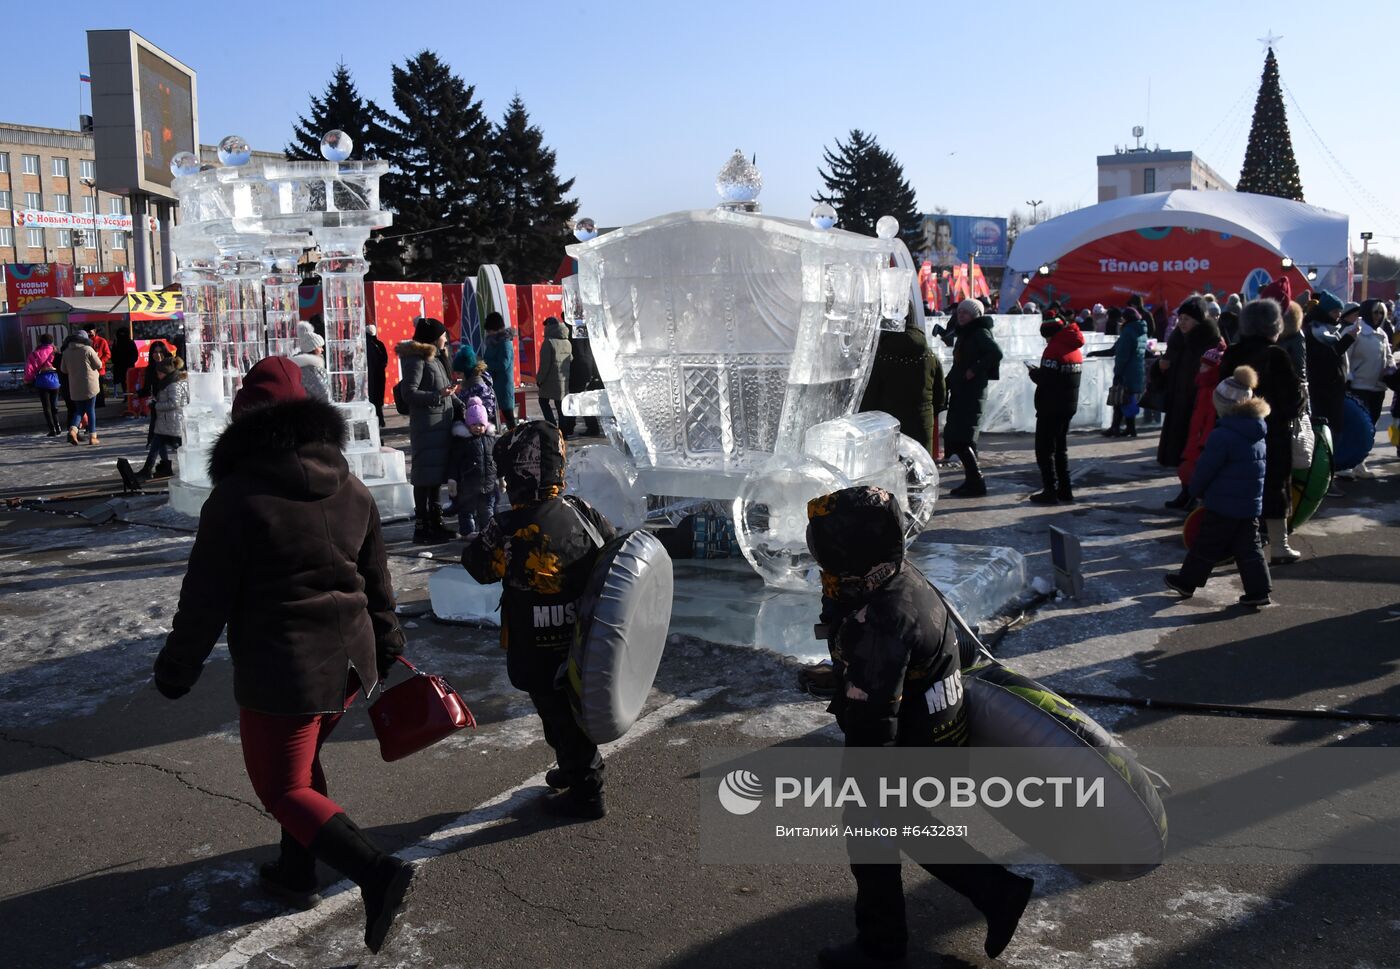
column 53, row 170
column 1142, row 171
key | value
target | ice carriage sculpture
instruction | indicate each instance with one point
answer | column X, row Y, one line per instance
column 242, row 232
column 734, row 348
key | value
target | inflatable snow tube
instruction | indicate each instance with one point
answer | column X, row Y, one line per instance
column 1192, row 527
column 491, row 294
column 1309, row 485
column 625, row 612
column 1008, row 710
column 1355, row 438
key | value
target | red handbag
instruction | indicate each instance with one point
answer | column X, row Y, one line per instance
column 417, row 713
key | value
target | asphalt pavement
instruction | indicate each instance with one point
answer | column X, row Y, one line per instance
column 129, row 835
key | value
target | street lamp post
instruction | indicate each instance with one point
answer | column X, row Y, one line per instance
column 1365, row 264
column 96, row 235
column 1035, row 205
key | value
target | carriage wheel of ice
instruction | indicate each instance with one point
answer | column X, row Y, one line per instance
column 607, row 480
column 770, row 517
column 921, row 486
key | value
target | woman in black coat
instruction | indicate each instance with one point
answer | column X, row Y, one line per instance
column 428, row 387
column 376, row 363
column 290, row 558
column 1194, row 335
column 1260, row 324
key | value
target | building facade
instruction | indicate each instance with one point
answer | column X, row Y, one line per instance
column 54, row 170
column 1140, row 171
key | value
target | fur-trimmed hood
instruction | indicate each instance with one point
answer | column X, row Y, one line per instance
column 313, row 360
column 1253, row 409
column 293, row 449
column 412, row 348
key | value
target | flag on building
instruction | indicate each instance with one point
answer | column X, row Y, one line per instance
column 85, row 78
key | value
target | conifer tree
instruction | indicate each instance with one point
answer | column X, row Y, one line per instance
column 527, row 201
column 438, row 144
column 865, row 182
column 340, row 107
column 1269, row 165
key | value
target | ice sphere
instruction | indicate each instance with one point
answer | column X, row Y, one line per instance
column 738, row 181
column 184, row 163
column 336, row 145
column 858, row 446
column 920, row 485
column 770, row 517
column 823, row 216
column 585, row 229
column 234, row 151
column 887, row 227
column 601, row 476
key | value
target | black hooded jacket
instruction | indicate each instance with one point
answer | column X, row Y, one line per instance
column 893, row 648
column 541, row 551
column 290, row 557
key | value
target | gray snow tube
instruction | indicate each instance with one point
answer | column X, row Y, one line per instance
column 625, row 614
column 1127, row 837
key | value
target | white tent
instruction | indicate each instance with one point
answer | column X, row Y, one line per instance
column 1308, row 235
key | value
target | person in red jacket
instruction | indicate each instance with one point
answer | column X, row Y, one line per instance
column 103, row 349
column 1203, row 417
column 1056, row 400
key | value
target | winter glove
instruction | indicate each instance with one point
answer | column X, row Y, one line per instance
column 170, row 690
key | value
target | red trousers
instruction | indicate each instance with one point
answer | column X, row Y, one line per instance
column 282, row 755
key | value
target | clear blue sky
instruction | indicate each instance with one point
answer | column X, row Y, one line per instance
column 986, row 105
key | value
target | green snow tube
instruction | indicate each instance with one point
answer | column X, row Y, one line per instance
column 1124, row 839
column 491, row 294
column 1309, row 485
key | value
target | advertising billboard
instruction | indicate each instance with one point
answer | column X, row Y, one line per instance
column 946, row 240
column 145, row 111
column 26, row 282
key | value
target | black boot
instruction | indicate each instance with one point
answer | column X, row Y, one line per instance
column 1132, row 427
column 577, row 802
column 292, row 877
column 1182, row 499
column 164, row 470
column 421, row 535
column 1005, row 914
column 852, row 956
column 1063, row 491
column 437, row 529
column 1046, row 494
column 973, row 485
column 385, row 881
column 144, row 472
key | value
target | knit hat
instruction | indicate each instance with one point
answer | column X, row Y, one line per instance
column 1327, row 302
column 1280, row 290
column 1099, row 310
column 972, row 306
column 308, row 340
column 427, row 330
column 476, row 412
column 1234, row 389
column 1211, row 358
column 1233, row 304
column 1350, row 308
column 81, row 336
column 272, row 380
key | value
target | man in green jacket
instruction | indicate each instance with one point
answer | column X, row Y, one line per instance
column 976, row 361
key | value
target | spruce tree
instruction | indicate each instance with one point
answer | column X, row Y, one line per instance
column 866, row 182
column 341, row 107
column 438, row 145
column 527, row 200
column 1269, row 165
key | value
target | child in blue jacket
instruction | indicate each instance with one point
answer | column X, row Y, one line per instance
column 1229, row 476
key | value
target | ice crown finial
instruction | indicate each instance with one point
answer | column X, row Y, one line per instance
column 738, row 182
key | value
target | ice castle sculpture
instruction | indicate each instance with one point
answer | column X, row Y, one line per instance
column 243, row 229
column 734, row 348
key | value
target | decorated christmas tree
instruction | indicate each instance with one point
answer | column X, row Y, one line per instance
column 1269, row 165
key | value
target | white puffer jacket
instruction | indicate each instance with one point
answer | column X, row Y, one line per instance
column 1369, row 357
